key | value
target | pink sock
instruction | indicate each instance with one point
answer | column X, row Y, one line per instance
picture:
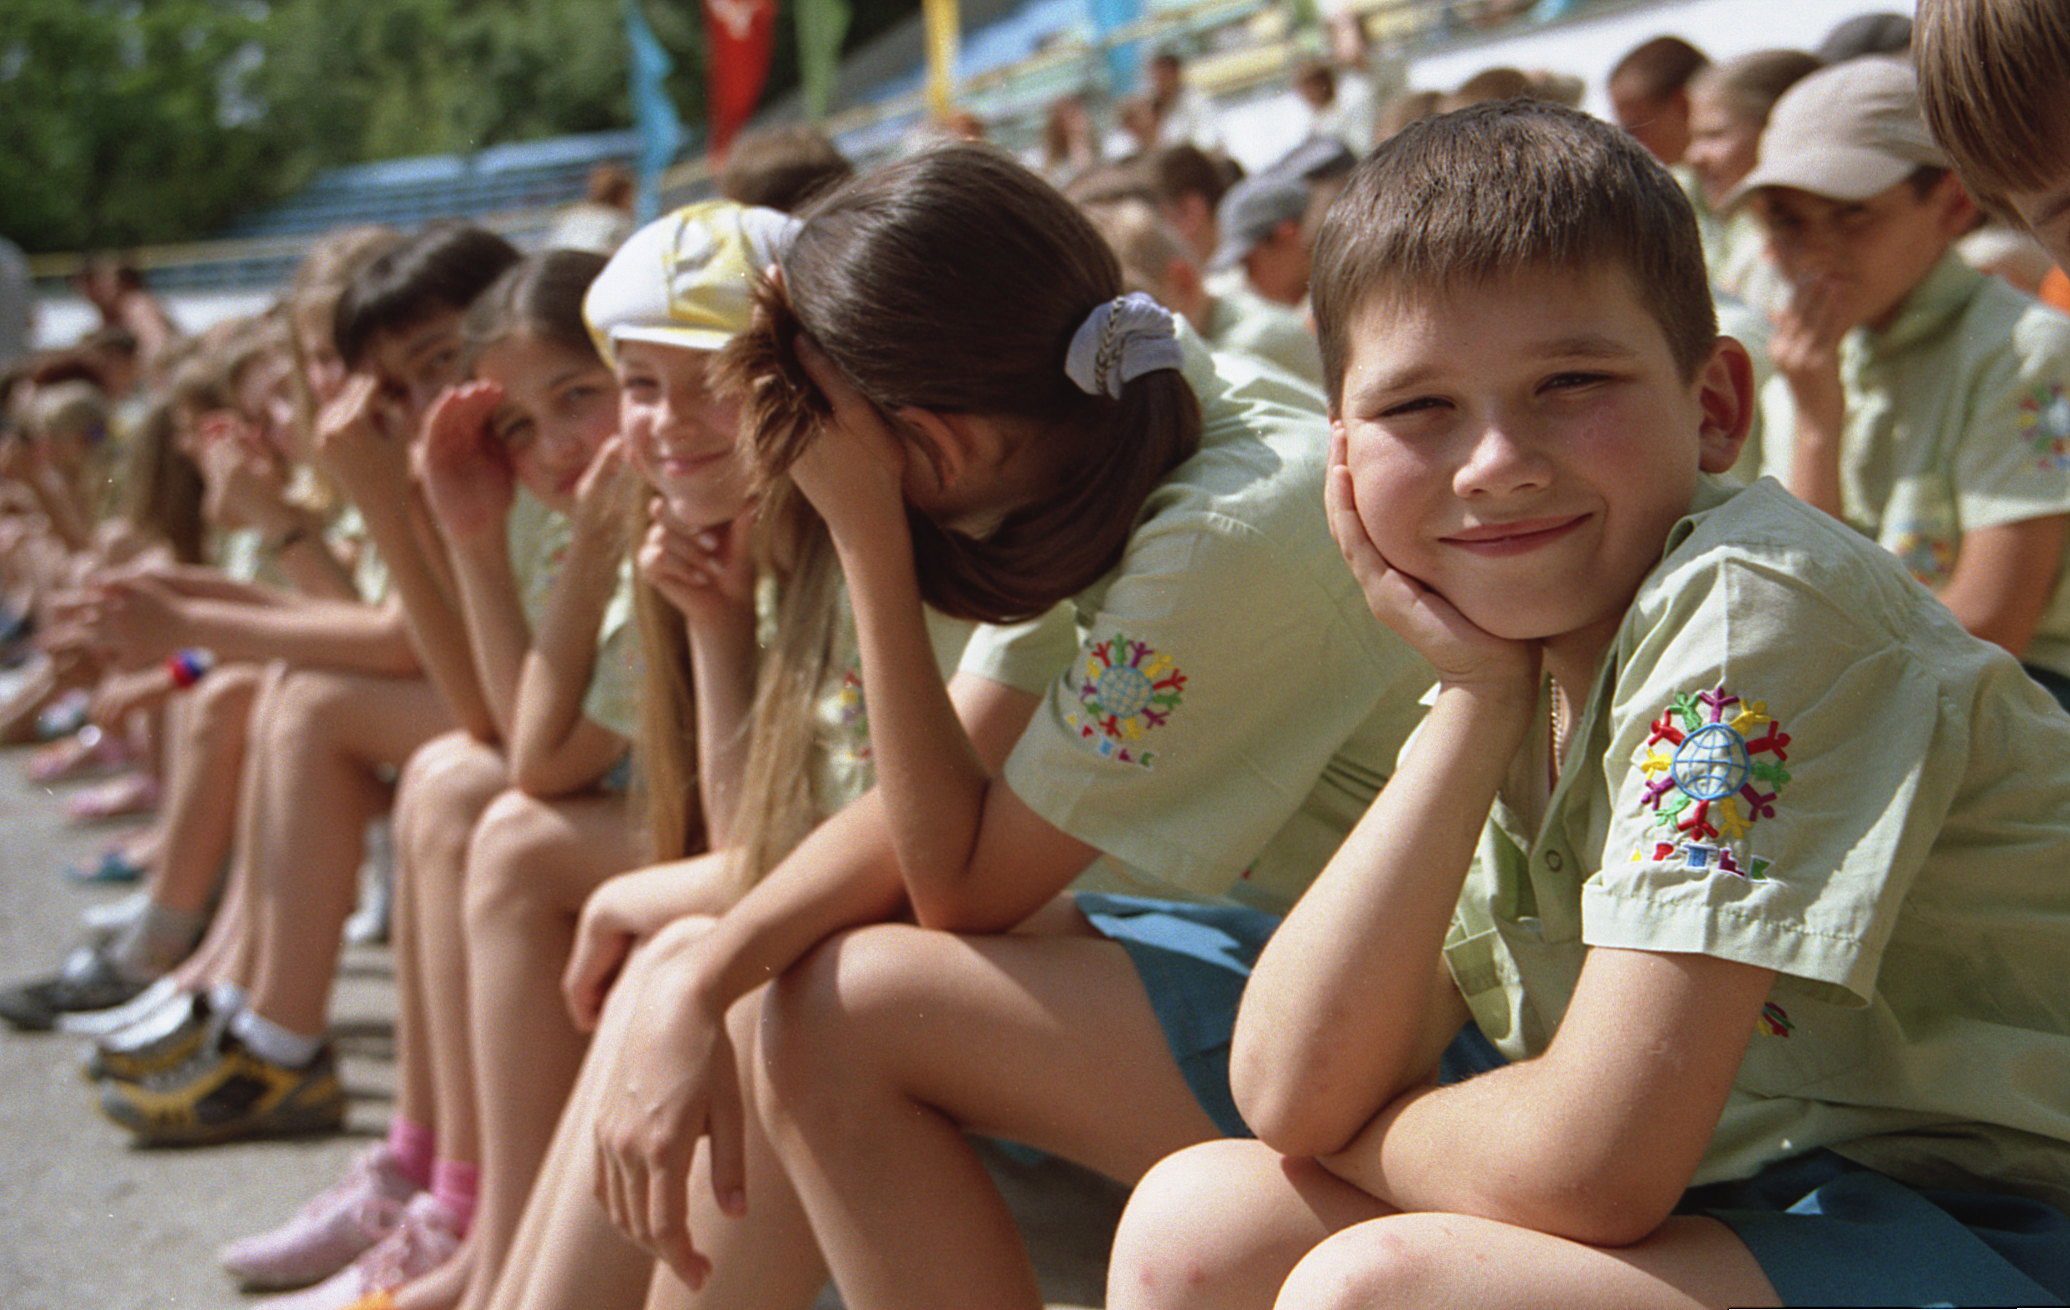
column 456, row 1185
column 413, row 1145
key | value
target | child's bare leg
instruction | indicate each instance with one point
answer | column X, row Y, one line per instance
column 198, row 816
column 444, row 788
column 887, row 1043
column 1439, row 1261
column 325, row 735
column 1219, row 1226
column 530, row 865
column 565, row 1252
column 227, row 952
column 765, row 1260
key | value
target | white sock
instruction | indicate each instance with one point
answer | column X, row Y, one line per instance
column 226, row 998
column 269, row 1041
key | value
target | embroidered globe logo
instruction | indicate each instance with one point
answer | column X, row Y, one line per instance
column 1711, row 762
column 1124, row 691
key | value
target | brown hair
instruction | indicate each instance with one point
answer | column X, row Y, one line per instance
column 162, row 491
column 540, row 296
column 1487, row 192
column 1752, row 83
column 1183, row 170
column 782, row 167
column 1658, row 68
column 953, row 281
column 1994, row 82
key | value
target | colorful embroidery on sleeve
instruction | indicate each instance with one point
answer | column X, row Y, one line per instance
column 2045, row 425
column 1126, row 688
column 1775, row 1021
column 1712, row 768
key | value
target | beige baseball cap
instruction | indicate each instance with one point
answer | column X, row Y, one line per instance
column 686, row 279
column 1847, row 133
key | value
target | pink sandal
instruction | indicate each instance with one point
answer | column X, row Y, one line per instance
column 126, row 793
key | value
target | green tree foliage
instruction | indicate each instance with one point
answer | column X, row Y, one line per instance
column 127, row 122
column 120, row 120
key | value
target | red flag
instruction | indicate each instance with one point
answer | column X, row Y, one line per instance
column 740, row 36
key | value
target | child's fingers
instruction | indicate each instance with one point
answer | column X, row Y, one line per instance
column 598, row 955
column 727, row 1135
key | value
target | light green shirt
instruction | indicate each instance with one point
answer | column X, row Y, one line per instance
column 844, row 765
column 538, row 538
column 1219, row 709
column 1794, row 758
column 1957, row 419
column 1248, row 324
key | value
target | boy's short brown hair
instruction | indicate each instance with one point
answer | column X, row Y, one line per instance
column 1994, row 82
column 1476, row 195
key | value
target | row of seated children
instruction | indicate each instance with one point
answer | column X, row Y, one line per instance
column 1519, row 499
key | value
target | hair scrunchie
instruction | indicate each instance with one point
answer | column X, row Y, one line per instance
column 1119, row 342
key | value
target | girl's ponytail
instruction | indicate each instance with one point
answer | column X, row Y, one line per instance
column 956, row 282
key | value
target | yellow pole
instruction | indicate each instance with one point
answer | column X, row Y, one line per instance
column 942, row 35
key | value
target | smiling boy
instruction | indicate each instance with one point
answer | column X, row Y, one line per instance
column 1744, row 856
column 1915, row 398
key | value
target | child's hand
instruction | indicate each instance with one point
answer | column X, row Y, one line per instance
column 123, row 694
column 135, row 621
column 604, row 498
column 244, row 484
column 706, row 573
column 853, row 472
column 359, row 440
column 670, row 1082
column 467, row 476
column 1805, row 347
column 1463, row 653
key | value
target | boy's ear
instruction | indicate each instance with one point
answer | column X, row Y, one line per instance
column 1726, row 393
column 1953, row 206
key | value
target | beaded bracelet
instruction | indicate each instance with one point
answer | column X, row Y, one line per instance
column 189, row 666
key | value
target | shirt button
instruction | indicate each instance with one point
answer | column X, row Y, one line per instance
column 1553, row 861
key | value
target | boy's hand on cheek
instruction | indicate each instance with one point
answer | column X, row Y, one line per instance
column 355, row 443
column 1805, row 347
column 1463, row 653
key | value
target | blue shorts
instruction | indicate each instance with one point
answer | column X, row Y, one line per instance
column 1828, row 1232
column 1194, row 960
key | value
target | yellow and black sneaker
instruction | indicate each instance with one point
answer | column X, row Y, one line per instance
column 131, row 1059
column 226, row 1092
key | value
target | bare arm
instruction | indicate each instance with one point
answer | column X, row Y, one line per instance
column 2004, row 578
column 368, row 454
column 974, row 857
column 1349, row 1002
column 1805, row 350
column 554, row 747
column 1596, row 1139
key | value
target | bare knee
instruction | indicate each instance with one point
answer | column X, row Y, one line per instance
column 301, row 707
column 443, row 788
column 512, row 836
column 1402, row 1260
column 816, row 1017
column 221, row 703
column 1216, row 1224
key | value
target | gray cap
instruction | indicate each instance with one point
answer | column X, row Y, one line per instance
column 1847, row 133
column 1248, row 213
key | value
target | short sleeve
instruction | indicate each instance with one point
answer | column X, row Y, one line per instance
column 1025, row 656
column 2013, row 461
column 1770, row 778
column 1208, row 694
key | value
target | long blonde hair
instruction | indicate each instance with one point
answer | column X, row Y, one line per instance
column 779, row 801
